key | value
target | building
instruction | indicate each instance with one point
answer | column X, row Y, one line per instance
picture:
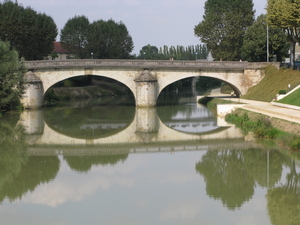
column 60, row 51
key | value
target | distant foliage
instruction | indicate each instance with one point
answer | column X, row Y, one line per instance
column 32, row 34
column 192, row 52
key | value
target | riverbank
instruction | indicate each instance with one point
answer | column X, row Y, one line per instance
column 263, row 119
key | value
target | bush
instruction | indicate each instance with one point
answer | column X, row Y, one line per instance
column 295, row 145
column 282, row 92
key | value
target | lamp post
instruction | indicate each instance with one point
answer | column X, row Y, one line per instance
column 196, row 56
column 267, row 35
column 92, row 55
column 267, row 42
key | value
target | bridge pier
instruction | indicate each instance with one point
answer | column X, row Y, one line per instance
column 146, row 89
column 33, row 97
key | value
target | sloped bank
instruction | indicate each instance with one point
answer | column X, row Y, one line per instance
column 283, row 133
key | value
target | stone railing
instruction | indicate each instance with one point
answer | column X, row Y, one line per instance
column 219, row 65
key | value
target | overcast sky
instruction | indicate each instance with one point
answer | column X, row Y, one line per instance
column 155, row 22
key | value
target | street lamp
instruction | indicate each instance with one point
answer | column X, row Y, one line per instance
column 267, row 35
column 92, row 55
column 267, row 41
column 196, row 56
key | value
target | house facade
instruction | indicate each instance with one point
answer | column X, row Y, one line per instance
column 59, row 51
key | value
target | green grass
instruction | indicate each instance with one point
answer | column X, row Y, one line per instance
column 273, row 81
column 292, row 99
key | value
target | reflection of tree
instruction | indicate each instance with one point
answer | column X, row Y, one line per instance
column 12, row 148
column 264, row 166
column 18, row 172
column 226, row 177
column 37, row 170
column 85, row 163
column 230, row 175
column 284, row 201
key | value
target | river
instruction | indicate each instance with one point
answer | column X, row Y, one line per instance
column 116, row 164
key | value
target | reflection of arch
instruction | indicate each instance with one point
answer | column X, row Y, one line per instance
column 191, row 118
column 88, row 123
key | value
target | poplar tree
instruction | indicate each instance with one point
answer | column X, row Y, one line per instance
column 12, row 72
column 285, row 14
column 224, row 25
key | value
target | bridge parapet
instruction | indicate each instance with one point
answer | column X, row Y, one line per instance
column 221, row 65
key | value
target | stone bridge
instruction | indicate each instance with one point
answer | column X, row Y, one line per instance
column 145, row 78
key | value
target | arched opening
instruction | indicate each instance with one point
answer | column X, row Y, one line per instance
column 178, row 107
column 192, row 87
column 93, row 89
column 172, row 93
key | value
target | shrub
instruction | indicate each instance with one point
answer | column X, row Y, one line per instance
column 295, row 145
column 282, row 92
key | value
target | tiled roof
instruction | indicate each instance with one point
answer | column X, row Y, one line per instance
column 58, row 48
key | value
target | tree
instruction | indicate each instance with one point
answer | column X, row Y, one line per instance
column 151, row 52
column 224, row 25
column 254, row 47
column 74, row 35
column 102, row 39
column 12, row 72
column 285, row 14
column 32, row 34
column 109, row 40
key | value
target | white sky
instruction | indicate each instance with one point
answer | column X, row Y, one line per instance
column 154, row 22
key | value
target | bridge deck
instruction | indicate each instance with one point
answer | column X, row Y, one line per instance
column 164, row 64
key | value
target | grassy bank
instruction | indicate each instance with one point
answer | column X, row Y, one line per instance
column 282, row 133
column 273, row 81
column 264, row 127
column 292, row 99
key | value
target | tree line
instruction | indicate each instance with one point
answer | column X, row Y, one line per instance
column 192, row 52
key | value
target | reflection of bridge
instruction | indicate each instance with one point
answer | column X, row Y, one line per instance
column 146, row 128
column 146, row 79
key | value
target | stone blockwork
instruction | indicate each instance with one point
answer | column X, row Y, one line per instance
column 33, row 97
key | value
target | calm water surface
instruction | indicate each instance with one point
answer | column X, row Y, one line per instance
column 119, row 165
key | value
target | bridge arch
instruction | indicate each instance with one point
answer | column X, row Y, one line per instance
column 233, row 78
column 54, row 77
